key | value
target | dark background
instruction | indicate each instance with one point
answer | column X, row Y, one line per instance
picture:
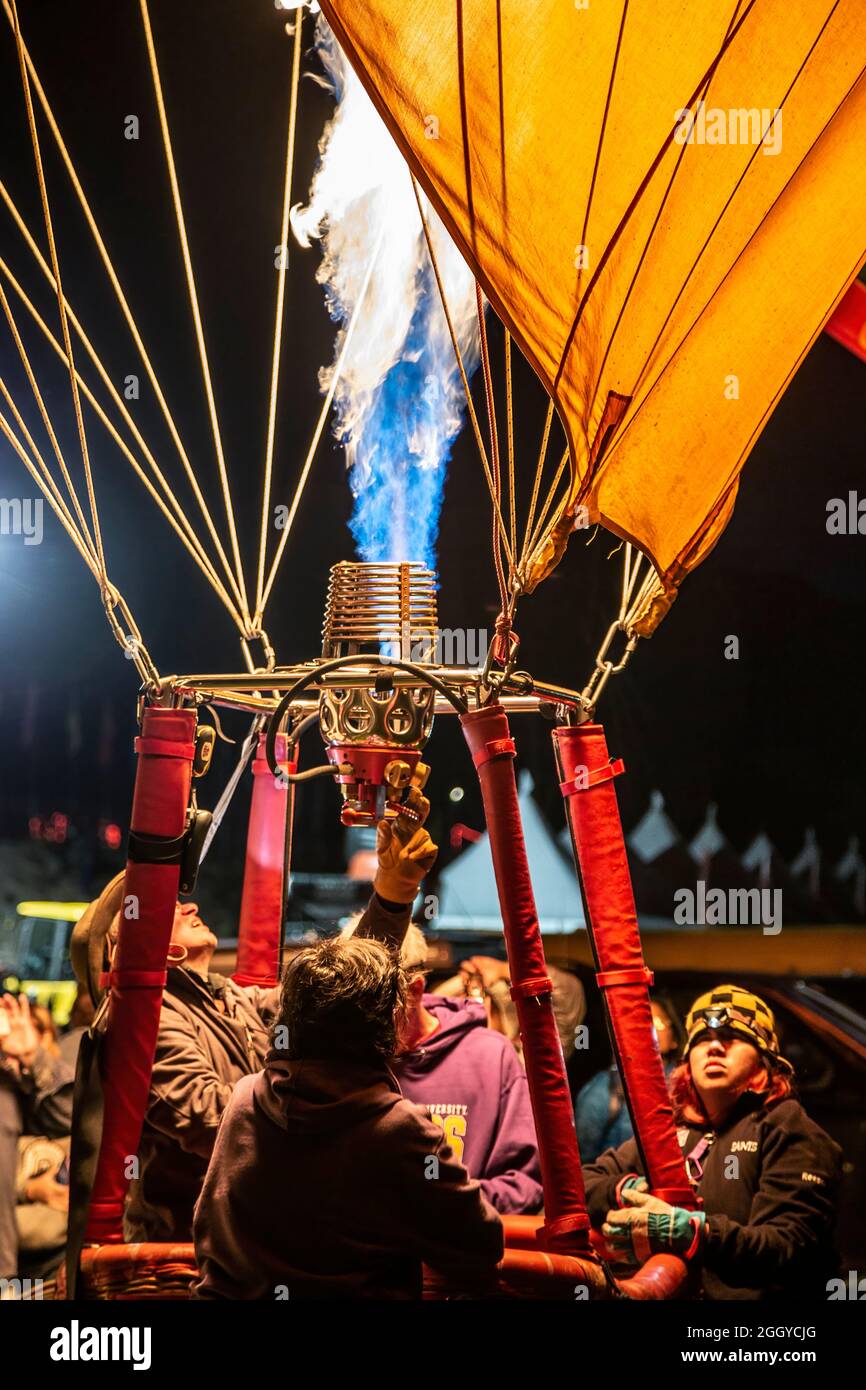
column 776, row 738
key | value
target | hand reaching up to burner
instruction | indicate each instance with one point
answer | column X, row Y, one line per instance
column 405, row 849
column 19, row 1040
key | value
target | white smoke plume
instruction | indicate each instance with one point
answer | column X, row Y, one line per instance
column 400, row 401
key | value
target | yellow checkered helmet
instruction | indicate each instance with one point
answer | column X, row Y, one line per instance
column 737, row 1011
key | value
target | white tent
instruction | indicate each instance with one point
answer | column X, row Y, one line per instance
column 467, row 888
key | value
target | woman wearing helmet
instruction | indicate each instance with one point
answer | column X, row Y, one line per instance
column 766, row 1174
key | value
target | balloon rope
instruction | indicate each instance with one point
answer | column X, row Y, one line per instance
column 320, row 425
column 509, row 413
column 542, row 517
column 46, row 483
column 96, row 542
column 651, row 588
column 536, row 484
column 187, row 536
column 193, row 299
column 278, row 318
column 494, row 451
column 130, row 640
column 470, row 404
column 55, row 500
column 40, row 402
column 121, row 298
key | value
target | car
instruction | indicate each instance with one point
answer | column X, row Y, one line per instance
column 34, row 955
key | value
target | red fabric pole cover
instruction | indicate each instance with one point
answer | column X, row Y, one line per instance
column 566, row 1222
column 591, row 805
column 261, row 923
column 847, row 323
column 162, row 785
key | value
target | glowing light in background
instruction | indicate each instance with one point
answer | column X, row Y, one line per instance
column 399, row 404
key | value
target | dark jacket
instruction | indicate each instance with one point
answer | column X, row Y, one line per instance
column 326, row 1183
column 601, row 1115
column 33, row 1100
column 770, row 1214
column 467, row 1077
column 44, row 1091
column 202, row 1052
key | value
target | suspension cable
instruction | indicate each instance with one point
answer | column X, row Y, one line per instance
column 470, row 404
column 543, row 514
column 40, row 402
column 187, row 537
column 320, row 425
column 536, row 484
column 96, row 541
column 629, row 610
column 131, row 641
column 45, row 481
column 509, row 416
column 121, row 299
column 106, row 378
column 494, row 451
column 193, row 299
column 279, row 314
column 651, row 588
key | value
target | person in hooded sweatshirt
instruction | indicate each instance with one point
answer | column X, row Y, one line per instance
column 324, row 1181
column 212, row 1032
column 468, row 1078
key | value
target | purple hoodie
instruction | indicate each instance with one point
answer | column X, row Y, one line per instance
column 467, row 1076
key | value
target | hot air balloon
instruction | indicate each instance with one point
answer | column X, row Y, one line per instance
column 628, row 186
column 631, row 185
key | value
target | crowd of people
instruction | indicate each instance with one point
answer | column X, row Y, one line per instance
column 331, row 1136
column 36, row 1083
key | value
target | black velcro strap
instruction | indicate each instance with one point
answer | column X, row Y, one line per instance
column 155, row 849
column 87, row 1118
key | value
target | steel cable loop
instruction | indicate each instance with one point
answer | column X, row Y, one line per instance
column 131, row 640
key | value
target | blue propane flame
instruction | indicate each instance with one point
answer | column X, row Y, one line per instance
column 399, row 404
column 401, row 454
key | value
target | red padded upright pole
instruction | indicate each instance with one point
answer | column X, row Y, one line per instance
column 566, row 1225
column 162, row 784
column 261, row 924
column 586, row 779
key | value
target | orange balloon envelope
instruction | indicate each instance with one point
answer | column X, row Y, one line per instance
column 662, row 200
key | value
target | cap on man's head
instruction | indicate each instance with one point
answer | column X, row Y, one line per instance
column 89, row 940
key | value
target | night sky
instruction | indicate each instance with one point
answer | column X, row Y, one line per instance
column 776, row 738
